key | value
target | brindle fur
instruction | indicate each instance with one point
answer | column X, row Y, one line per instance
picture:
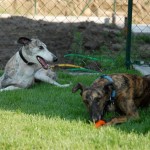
column 132, row 92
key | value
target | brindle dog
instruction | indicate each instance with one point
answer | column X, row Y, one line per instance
column 125, row 93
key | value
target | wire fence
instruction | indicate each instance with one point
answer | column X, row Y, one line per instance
column 76, row 30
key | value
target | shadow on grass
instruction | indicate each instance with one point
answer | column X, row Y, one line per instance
column 46, row 100
column 56, row 102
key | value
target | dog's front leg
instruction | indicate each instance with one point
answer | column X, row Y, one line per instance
column 42, row 75
column 10, row 88
column 117, row 120
column 127, row 107
column 123, row 119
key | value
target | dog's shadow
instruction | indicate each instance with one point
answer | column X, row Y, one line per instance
column 44, row 99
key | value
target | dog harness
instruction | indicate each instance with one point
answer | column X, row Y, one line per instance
column 113, row 93
column 28, row 63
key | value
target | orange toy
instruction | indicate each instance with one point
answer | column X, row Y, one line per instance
column 99, row 123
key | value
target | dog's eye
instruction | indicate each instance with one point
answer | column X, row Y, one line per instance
column 86, row 102
column 97, row 99
column 41, row 47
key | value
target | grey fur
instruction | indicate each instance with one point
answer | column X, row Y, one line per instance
column 18, row 74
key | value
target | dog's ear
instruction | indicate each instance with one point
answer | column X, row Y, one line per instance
column 77, row 87
column 24, row 40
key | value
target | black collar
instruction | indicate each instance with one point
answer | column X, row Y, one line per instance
column 28, row 63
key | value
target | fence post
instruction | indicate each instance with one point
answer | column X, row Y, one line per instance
column 35, row 7
column 114, row 13
column 129, row 32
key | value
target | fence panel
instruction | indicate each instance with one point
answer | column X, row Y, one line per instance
column 140, row 53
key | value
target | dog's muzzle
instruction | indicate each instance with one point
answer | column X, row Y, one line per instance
column 96, row 119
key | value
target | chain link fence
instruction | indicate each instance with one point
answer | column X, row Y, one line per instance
column 88, row 33
column 140, row 50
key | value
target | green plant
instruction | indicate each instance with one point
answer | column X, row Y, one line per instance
column 77, row 48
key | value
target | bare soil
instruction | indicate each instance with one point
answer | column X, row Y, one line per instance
column 62, row 38
column 57, row 36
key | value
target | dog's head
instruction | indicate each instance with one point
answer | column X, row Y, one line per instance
column 95, row 99
column 36, row 51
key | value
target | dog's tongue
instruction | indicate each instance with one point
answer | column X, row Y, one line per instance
column 43, row 62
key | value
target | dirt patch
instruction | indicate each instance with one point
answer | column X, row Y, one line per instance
column 62, row 38
column 57, row 36
column 51, row 34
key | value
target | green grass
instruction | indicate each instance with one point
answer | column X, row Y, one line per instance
column 140, row 47
column 47, row 117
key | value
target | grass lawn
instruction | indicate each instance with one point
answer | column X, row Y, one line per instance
column 47, row 117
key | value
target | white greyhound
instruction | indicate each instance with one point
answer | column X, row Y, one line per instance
column 29, row 63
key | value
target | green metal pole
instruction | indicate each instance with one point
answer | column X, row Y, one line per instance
column 35, row 7
column 129, row 33
column 114, row 7
column 114, row 13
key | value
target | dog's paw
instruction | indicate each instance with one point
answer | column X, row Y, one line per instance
column 1, row 90
column 108, row 124
column 64, row 85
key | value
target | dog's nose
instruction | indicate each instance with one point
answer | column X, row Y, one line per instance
column 55, row 59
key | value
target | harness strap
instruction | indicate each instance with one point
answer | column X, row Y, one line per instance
column 113, row 93
column 107, row 77
column 21, row 55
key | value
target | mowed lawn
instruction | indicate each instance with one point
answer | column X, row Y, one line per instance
column 46, row 117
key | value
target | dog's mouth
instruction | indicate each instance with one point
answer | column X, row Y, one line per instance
column 43, row 62
column 96, row 119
